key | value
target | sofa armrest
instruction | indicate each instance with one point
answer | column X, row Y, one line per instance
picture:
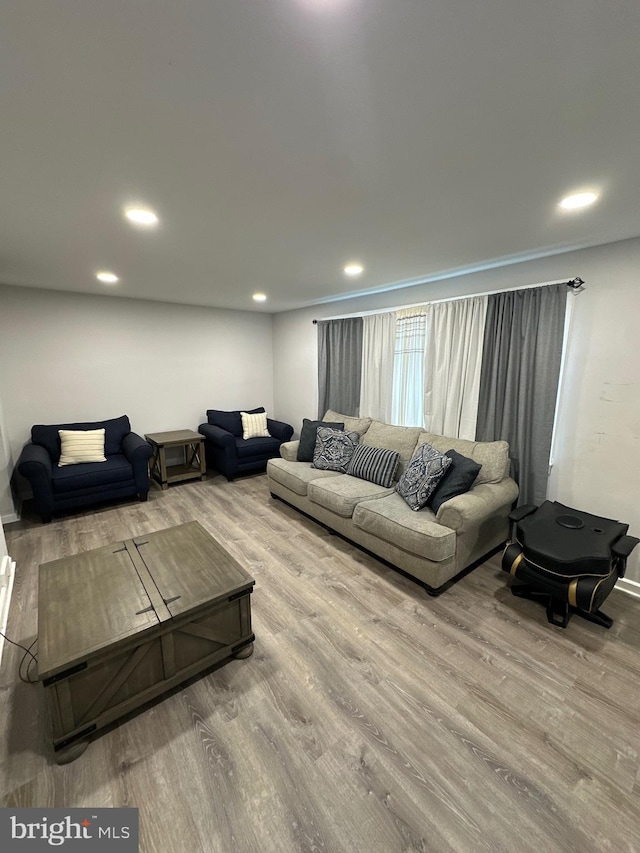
column 279, row 430
column 34, row 462
column 35, row 466
column 218, row 436
column 289, row 450
column 472, row 508
column 138, row 452
column 136, row 448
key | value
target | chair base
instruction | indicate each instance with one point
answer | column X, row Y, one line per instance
column 559, row 611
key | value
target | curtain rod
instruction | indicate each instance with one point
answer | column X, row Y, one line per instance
column 576, row 284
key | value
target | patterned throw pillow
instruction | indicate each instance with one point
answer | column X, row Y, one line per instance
column 423, row 474
column 375, row 464
column 334, row 449
column 254, row 425
column 81, row 445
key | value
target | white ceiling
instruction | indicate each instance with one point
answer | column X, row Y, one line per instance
column 279, row 139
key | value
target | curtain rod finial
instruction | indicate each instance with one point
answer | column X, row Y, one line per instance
column 576, row 283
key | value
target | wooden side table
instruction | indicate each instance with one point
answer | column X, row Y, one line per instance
column 194, row 465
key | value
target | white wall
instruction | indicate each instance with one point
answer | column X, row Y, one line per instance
column 7, row 509
column 597, row 454
column 3, row 543
column 69, row 357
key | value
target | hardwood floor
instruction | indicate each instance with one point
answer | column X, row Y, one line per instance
column 370, row 717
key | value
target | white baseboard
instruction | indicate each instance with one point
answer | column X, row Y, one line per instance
column 630, row 587
column 10, row 517
column 7, row 573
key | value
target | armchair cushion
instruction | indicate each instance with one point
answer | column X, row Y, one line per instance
column 230, row 421
column 115, row 469
column 47, row 435
column 247, row 448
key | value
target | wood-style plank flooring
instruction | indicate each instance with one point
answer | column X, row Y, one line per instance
column 371, row 717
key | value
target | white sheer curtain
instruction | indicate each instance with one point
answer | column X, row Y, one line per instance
column 409, row 367
column 453, row 365
column 378, row 348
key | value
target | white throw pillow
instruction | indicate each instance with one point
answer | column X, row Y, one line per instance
column 254, row 426
column 81, row 445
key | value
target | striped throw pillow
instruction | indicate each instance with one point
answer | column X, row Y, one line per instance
column 81, row 445
column 374, row 464
column 254, row 425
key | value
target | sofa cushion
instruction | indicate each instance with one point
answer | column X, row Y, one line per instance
column 494, row 458
column 424, row 472
column 419, row 533
column 334, row 449
column 492, row 455
column 375, row 464
column 230, row 421
column 115, row 429
column 69, row 478
column 399, row 438
column 458, row 479
column 308, row 436
column 296, row 476
column 81, row 445
column 359, row 425
column 342, row 494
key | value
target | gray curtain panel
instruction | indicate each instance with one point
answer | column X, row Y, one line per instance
column 519, row 380
column 339, row 365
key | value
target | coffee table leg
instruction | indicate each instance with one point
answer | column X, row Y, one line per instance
column 246, row 652
column 66, row 756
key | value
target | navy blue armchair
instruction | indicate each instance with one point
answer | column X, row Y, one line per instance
column 125, row 473
column 229, row 453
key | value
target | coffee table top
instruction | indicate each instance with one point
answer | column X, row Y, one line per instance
column 99, row 599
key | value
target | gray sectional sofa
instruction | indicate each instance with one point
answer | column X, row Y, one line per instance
column 433, row 549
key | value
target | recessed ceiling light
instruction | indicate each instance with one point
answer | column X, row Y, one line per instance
column 259, row 297
column 353, row 270
column 578, row 200
column 107, row 277
column 141, row 216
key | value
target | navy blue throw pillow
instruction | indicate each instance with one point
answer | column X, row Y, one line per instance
column 458, row 479
column 309, row 435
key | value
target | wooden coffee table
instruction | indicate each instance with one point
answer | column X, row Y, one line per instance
column 121, row 625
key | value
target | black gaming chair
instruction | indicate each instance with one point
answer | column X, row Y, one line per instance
column 568, row 558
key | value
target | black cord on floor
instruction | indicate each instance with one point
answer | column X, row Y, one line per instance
column 34, row 659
